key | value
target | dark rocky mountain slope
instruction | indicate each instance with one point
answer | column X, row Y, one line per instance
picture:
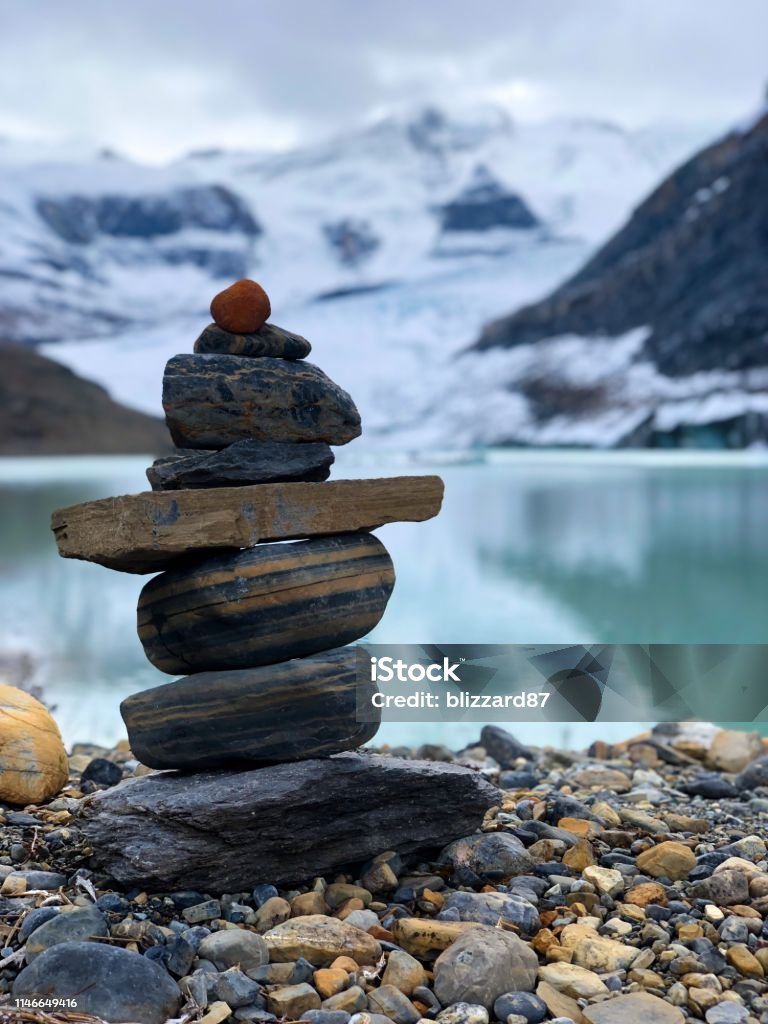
column 46, row 409
column 691, row 265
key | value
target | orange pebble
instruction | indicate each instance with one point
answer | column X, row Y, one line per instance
column 346, row 963
column 242, row 308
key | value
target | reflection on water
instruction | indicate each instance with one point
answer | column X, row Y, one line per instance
column 530, row 548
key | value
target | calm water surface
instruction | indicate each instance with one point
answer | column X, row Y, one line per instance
column 544, row 548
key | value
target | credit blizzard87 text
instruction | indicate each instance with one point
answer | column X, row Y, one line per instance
column 387, row 669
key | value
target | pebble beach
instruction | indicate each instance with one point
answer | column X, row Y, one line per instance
column 619, row 884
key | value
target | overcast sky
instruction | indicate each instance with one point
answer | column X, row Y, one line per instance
column 154, row 78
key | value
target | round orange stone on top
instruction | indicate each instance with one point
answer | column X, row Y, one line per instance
column 242, row 308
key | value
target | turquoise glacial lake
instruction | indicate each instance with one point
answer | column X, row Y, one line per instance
column 531, row 547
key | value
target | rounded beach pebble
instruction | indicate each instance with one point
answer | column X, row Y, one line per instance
column 242, row 308
column 109, row 982
column 33, row 762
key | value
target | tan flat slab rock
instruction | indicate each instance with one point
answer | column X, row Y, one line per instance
column 156, row 530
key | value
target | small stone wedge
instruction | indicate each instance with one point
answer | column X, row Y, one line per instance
column 240, row 464
column 301, row 708
column 228, row 831
column 157, row 530
column 270, row 341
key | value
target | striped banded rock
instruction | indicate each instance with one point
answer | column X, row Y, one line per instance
column 301, row 708
column 265, row 604
column 211, row 401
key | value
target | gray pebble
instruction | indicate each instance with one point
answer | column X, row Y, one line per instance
column 727, row 1013
column 34, row 919
column 326, row 1016
column 202, row 912
column 236, row 989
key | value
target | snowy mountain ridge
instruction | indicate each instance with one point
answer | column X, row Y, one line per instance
column 413, row 231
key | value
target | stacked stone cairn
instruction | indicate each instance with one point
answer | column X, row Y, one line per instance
column 259, row 628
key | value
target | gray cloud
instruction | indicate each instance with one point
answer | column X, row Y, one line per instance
column 155, row 78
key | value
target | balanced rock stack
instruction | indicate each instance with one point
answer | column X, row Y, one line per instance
column 260, row 628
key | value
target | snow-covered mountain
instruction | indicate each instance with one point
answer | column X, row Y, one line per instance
column 661, row 338
column 389, row 247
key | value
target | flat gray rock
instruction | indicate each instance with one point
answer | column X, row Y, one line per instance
column 157, row 530
column 229, row 831
column 242, row 463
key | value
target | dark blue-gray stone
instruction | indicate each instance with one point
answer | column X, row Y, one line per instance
column 34, row 919
column 754, row 775
column 265, row 892
column 211, row 401
column 110, row 983
column 242, row 463
column 525, row 1004
column 502, row 746
column 102, row 772
column 111, row 903
column 490, row 907
column 518, row 780
column 181, row 953
column 237, row 989
column 713, row 786
column 82, row 923
column 490, row 856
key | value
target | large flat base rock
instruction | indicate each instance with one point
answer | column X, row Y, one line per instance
column 157, row 530
column 228, row 831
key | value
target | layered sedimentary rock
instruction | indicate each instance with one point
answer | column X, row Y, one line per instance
column 242, row 463
column 269, row 340
column 227, row 831
column 151, row 531
column 211, row 401
column 265, row 604
column 298, row 709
